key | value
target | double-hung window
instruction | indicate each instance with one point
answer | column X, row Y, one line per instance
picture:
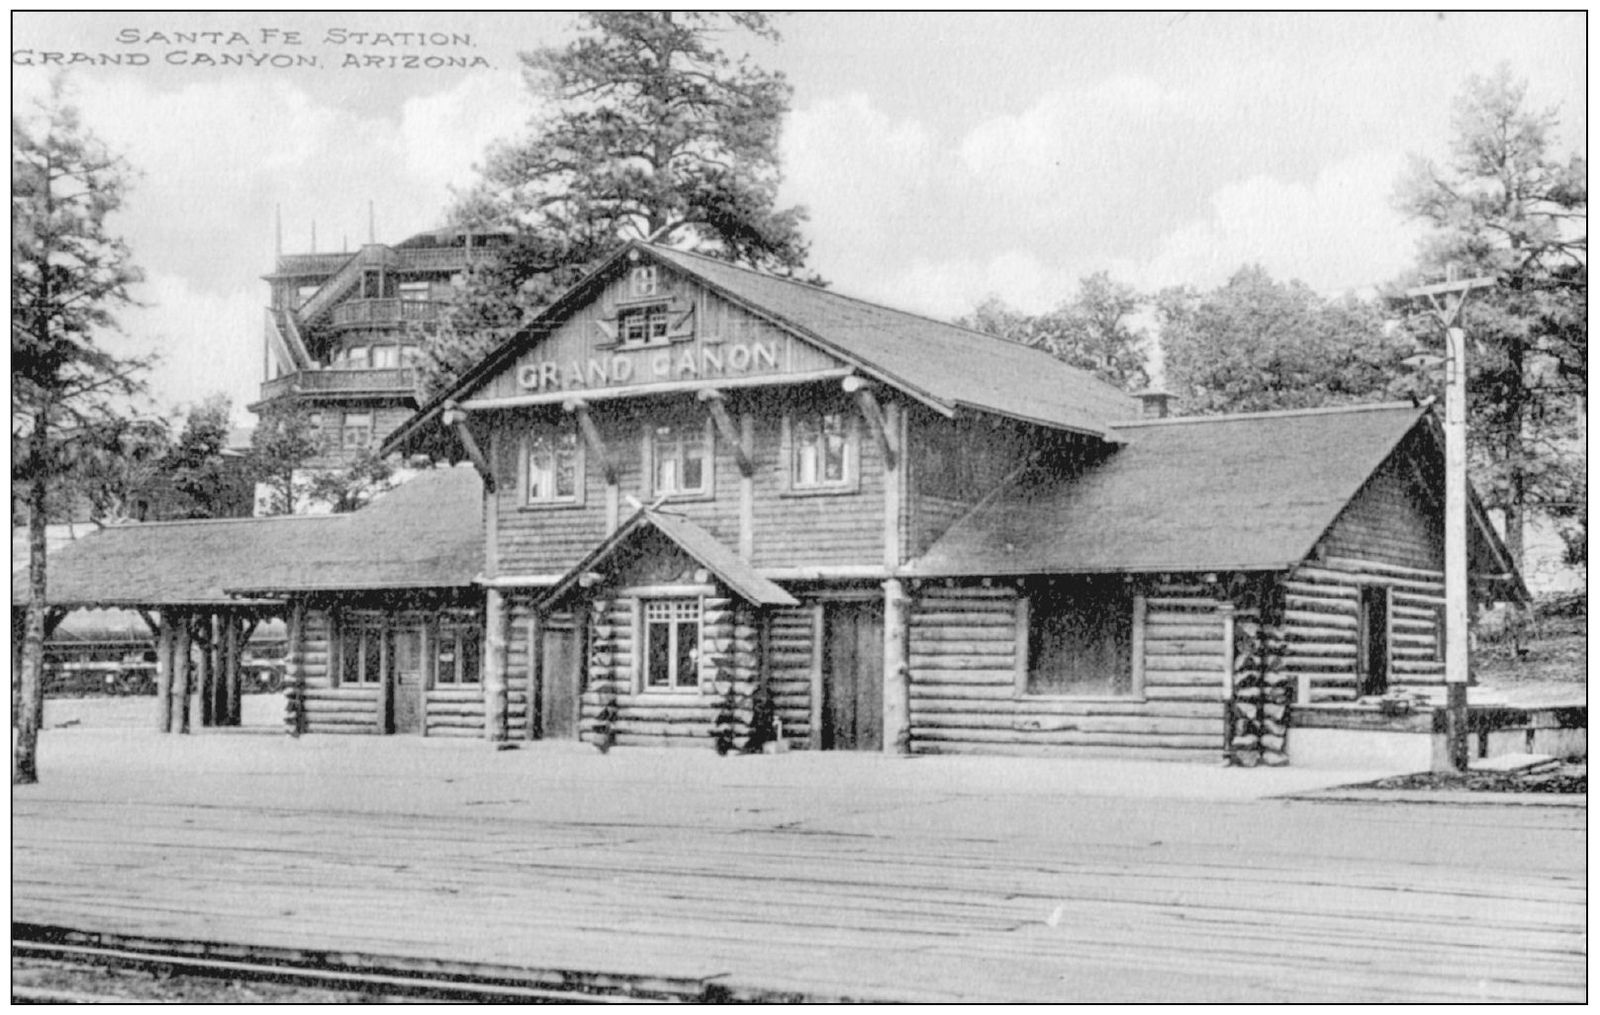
column 456, row 655
column 643, row 326
column 671, row 634
column 681, row 456
column 552, row 466
column 363, row 654
column 822, row 455
column 357, row 432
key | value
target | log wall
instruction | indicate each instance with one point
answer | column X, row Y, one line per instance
column 968, row 691
column 1323, row 600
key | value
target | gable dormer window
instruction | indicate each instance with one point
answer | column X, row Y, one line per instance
column 643, row 326
column 643, row 281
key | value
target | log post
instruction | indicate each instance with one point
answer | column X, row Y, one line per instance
column 164, row 651
column 294, row 676
column 496, row 622
column 536, row 674
column 183, row 673
column 896, row 668
column 205, row 677
column 233, row 686
column 386, row 682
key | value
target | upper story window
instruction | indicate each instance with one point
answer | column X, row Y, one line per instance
column 385, row 356
column 680, row 455
column 671, row 639
column 357, row 432
column 413, row 290
column 304, row 293
column 552, row 464
column 642, row 326
column 358, row 357
column 409, row 355
column 823, row 450
column 643, row 281
column 1080, row 640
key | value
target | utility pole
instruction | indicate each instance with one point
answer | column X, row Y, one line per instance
column 1446, row 300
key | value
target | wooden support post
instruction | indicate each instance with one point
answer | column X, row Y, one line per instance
column 882, row 431
column 164, row 661
column 717, row 405
column 455, row 417
column 592, row 438
column 183, row 674
column 232, row 676
column 818, row 646
column 152, row 623
column 497, row 622
column 747, row 495
column 294, row 676
column 536, row 674
column 205, row 678
column 383, row 719
column 896, row 668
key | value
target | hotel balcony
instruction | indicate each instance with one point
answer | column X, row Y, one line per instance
column 386, row 313
column 398, row 382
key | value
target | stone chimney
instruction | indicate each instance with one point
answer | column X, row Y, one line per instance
column 1156, row 403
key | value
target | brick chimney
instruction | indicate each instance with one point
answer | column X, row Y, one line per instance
column 1156, row 403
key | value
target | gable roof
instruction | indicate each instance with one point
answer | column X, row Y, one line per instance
column 947, row 366
column 1207, row 493
column 426, row 532
column 699, row 544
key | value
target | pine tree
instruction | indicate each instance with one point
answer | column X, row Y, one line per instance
column 68, row 276
column 1505, row 205
column 652, row 131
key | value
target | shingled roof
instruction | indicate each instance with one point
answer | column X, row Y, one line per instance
column 948, row 366
column 426, row 533
column 1214, row 493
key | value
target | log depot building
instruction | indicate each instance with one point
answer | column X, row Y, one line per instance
column 716, row 500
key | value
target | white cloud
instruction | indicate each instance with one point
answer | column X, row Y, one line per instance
column 209, row 343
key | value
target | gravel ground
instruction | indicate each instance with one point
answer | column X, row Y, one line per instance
column 94, row 982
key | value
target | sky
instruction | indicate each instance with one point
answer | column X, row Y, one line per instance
column 943, row 158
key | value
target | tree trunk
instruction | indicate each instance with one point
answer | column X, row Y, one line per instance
column 30, row 716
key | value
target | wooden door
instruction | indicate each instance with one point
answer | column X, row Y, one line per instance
column 409, row 686
column 563, row 683
column 1372, row 655
column 852, row 677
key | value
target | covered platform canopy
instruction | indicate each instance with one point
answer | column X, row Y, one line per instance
column 205, row 584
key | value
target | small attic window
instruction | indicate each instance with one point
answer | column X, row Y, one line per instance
column 643, row 281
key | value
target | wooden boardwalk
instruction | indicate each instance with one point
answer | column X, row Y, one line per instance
column 833, row 875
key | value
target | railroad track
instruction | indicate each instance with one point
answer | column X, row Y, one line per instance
column 369, row 977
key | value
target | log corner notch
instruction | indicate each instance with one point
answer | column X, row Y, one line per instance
column 716, row 403
column 579, row 409
column 887, row 440
column 455, row 417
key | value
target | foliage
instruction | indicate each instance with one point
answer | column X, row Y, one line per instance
column 1256, row 344
column 648, row 129
column 352, row 487
column 195, row 466
column 283, row 443
column 1506, row 206
column 1092, row 331
column 69, row 275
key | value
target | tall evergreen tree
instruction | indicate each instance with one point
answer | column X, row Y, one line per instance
column 282, row 446
column 1505, row 205
column 69, row 275
column 649, row 129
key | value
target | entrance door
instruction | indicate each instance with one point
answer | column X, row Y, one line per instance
column 852, row 677
column 1372, row 651
column 408, row 682
column 563, row 683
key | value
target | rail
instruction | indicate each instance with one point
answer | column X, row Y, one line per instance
column 389, row 380
column 364, row 313
column 368, row 975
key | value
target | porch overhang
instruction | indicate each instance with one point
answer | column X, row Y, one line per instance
column 740, row 578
